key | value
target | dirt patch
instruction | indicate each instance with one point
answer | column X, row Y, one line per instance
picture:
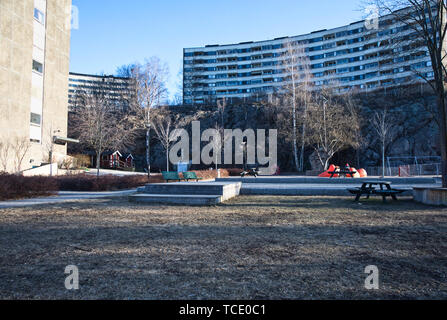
column 247, row 248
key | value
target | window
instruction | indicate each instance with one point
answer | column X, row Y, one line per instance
column 37, row 66
column 35, row 118
column 39, row 16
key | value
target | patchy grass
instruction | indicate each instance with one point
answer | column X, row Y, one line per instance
column 247, row 248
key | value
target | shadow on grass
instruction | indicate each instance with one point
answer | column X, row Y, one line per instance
column 223, row 262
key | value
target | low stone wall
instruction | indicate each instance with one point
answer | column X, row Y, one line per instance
column 42, row 171
column 431, row 196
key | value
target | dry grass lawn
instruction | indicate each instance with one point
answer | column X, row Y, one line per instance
column 247, row 248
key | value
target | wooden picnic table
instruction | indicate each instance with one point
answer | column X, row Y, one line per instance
column 368, row 188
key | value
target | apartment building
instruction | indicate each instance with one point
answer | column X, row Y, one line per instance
column 117, row 90
column 356, row 56
column 34, row 63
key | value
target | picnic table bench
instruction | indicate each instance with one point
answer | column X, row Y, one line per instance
column 344, row 173
column 368, row 188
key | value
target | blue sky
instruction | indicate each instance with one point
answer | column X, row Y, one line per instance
column 116, row 32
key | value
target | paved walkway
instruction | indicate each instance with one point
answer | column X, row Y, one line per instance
column 262, row 186
column 64, row 196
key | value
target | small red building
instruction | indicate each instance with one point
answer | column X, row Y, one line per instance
column 117, row 161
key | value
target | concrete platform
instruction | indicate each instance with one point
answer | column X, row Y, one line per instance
column 314, row 186
column 194, row 200
column 316, row 180
column 307, row 189
column 431, row 196
column 187, row 193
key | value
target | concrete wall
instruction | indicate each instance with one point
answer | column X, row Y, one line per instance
column 17, row 36
column 16, row 46
column 431, row 196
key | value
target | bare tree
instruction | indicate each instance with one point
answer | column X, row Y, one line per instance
column 99, row 125
column 5, row 147
column 20, row 147
column 427, row 20
column 296, row 65
column 48, row 145
column 162, row 125
column 382, row 126
column 354, row 110
column 150, row 90
column 330, row 126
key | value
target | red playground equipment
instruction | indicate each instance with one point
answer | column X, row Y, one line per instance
column 347, row 171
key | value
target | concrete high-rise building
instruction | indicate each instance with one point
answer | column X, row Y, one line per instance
column 34, row 66
column 361, row 55
column 117, row 90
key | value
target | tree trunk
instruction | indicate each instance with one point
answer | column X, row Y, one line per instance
column 98, row 163
column 383, row 159
column 303, row 147
column 167, row 159
column 443, row 138
column 357, row 154
column 148, row 151
column 326, row 164
column 295, row 149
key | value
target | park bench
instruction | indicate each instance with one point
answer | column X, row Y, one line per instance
column 191, row 176
column 171, row 176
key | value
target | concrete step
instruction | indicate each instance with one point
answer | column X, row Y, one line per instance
column 224, row 189
column 180, row 199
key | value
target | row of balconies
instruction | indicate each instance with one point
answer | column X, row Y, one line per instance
column 355, row 77
column 346, row 51
column 359, row 66
column 371, row 54
column 348, row 42
column 241, row 93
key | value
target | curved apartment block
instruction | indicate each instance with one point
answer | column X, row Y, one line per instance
column 361, row 56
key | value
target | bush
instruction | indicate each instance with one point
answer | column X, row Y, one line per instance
column 103, row 183
column 81, row 161
column 211, row 174
column 19, row 187
column 235, row 172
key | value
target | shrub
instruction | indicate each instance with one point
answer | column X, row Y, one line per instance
column 211, row 174
column 235, row 172
column 81, row 161
column 19, row 187
column 84, row 182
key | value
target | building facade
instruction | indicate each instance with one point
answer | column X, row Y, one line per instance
column 357, row 56
column 34, row 65
column 118, row 90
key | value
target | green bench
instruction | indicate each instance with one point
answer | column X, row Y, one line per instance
column 191, row 176
column 171, row 176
